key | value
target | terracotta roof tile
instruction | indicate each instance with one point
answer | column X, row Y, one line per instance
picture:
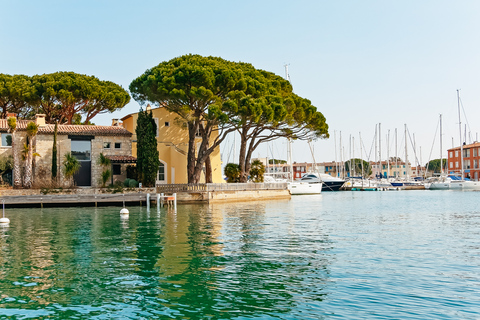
column 70, row 129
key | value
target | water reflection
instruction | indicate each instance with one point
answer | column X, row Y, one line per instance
column 219, row 260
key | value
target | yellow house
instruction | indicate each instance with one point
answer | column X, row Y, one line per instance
column 172, row 143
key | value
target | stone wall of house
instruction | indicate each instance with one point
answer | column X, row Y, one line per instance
column 98, row 146
column 43, row 163
column 44, row 145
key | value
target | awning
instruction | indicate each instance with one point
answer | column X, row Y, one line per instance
column 122, row 159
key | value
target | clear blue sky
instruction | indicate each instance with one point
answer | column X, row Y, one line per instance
column 360, row 62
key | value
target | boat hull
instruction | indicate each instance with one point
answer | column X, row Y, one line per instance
column 332, row 185
column 304, row 188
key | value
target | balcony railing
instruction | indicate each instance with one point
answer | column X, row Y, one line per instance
column 215, row 187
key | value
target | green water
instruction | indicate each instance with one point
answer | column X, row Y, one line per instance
column 344, row 255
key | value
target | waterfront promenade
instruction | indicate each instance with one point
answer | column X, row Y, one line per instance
column 200, row 193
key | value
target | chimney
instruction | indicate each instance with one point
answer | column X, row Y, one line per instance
column 148, row 107
column 40, row 120
column 115, row 122
column 11, row 114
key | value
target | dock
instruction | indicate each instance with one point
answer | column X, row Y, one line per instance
column 185, row 193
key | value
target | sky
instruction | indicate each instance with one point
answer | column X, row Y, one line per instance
column 360, row 62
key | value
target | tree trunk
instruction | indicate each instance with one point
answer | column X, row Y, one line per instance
column 191, row 158
column 17, row 170
column 241, row 157
column 29, row 165
column 208, row 170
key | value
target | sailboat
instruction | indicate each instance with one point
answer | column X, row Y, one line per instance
column 300, row 187
column 453, row 182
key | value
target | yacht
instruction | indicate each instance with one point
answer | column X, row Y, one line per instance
column 453, row 183
column 328, row 182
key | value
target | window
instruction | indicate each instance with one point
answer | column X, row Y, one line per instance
column 6, row 140
column 451, row 154
column 161, row 172
column 456, row 164
column 118, row 145
column 167, row 124
column 456, row 154
column 81, row 149
column 474, row 152
column 451, row 165
column 466, row 153
column 106, row 145
column 466, row 164
column 117, row 169
column 475, row 164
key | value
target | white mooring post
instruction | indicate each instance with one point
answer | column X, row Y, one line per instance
column 161, row 199
column 4, row 221
column 175, row 202
column 158, row 201
column 148, row 201
column 124, row 210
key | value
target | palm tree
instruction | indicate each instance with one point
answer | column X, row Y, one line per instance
column 71, row 166
column 232, row 172
column 104, row 162
column 17, row 173
column 257, row 170
column 32, row 129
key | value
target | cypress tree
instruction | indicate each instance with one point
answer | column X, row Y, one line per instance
column 147, row 152
column 54, row 152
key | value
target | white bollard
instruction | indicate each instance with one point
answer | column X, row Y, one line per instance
column 158, row 201
column 175, row 201
column 148, row 201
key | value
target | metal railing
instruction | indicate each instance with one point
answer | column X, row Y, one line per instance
column 215, row 187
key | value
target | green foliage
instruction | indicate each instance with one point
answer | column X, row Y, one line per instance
column 434, row 166
column 106, row 173
column 256, row 171
column 210, row 93
column 62, row 96
column 71, row 165
column 147, row 152
column 6, row 163
column 232, row 172
column 117, row 187
column 12, row 123
column 357, row 166
column 276, row 161
column 17, row 95
column 130, row 183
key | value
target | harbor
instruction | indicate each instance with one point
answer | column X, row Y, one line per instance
column 349, row 255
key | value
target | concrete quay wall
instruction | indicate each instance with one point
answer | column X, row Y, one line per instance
column 97, row 196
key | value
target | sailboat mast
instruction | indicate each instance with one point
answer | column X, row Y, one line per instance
column 396, row 155
column 380, row 149
column 335, row 144
column 441, row 148
column 460, row 129
column 388, row 153
column 361, row 152
column 406, row 155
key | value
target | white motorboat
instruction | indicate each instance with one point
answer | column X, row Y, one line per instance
column 452, row 183
column 298, row 187
column 328, row 182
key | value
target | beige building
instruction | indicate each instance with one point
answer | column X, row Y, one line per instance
column 172, row 141
column 85, row 142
